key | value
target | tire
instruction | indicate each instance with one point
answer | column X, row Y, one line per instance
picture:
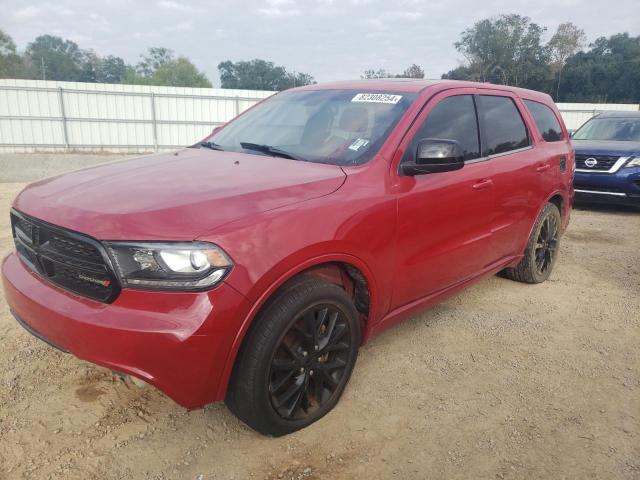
column 541, row 252
column 304, row 341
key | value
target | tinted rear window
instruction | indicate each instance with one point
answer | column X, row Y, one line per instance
column 545, row 120
column 504, row 128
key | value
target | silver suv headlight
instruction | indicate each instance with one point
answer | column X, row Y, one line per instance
column 633, row 162
column 169, row 265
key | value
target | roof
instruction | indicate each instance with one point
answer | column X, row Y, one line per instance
column 417, row 85
column 377, row 84
column 620, row 114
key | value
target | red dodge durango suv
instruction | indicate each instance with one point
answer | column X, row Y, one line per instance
column 251, row 266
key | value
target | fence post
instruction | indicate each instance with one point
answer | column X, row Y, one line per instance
column 153, row 121
column 237, row 107
column 64, row 118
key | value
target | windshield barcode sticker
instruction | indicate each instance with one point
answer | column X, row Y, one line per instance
column 358, row 143
column 377, row 98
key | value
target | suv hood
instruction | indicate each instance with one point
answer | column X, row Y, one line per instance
column 606, row 147
column 174, row 196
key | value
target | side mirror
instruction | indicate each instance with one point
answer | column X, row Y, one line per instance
column 570, row 132
column 434, row 155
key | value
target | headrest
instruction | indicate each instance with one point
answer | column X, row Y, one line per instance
column 355, row 118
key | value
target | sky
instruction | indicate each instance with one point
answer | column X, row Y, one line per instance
column 330, row 39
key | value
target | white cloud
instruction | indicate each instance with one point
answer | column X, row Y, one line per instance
column 279, row 3
column 376, row 23
column 99, row 22
column 279, row 12
column 27, row 12
column 44, row 10
column 180, row 27
column 176, row 6
column 410, row 16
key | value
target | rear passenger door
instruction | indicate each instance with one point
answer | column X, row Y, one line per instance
column 508, row 145
column 553, row 145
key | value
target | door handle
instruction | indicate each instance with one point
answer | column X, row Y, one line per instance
column 484, row 183
column 543, row 168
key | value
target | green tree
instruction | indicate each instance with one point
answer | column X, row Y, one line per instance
column 155, row 58
column 180, row 73
column 462, row 72
column 98, row 69
column 89, row 67
column 609, row 71
column 12, row 65
column 567, row 41
column 371, row 73
column 111, row 69
column 160, row 67
column 507, row 50
column 413, row 71
column 54, row 58
column 260, row 74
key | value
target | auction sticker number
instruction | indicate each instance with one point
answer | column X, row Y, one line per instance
column 377, row 98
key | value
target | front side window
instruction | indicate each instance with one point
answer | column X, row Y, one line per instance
column 617, row 129
column 340, row 127
column 504, row 129
column 454, row 118
column 546, row 121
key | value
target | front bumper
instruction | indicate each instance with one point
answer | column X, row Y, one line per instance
column 178, row 342
column 622, row 187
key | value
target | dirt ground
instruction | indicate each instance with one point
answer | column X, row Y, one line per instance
column 502, row 381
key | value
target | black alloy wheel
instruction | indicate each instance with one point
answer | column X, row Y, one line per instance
column 542, row 248
column 309, row 362
column 296, row 358
column 546, row 244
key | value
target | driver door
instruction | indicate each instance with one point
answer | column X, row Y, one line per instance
column 444, row 219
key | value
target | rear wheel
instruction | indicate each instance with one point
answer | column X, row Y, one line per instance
column 542, row 249
column 297, row 358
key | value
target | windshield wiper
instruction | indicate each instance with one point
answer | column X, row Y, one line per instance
column 274, row 151
column 210, row 145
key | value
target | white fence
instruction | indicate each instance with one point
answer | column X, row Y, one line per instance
column 46, row 116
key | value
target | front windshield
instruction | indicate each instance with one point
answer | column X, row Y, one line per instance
column 341, row 127
column 620, row 129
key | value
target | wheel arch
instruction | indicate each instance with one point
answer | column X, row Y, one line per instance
column 346, row 270
column 557, row 198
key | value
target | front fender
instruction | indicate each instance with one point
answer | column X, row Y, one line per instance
column 275, row 279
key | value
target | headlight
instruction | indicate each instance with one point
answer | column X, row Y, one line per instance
column 169, row 266
column 633, row 162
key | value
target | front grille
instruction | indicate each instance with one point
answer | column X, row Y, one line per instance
column 603, row 162
column 70, row 260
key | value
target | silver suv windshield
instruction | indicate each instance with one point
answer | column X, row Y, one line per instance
column 617, row 128
column 341, row 127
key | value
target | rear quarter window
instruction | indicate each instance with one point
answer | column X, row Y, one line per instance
column 546, row 121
